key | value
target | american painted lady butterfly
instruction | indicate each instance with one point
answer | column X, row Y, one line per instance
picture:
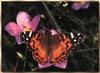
column 49, row 46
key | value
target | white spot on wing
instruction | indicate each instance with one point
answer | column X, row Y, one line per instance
column 30, row 34
column 72, row 36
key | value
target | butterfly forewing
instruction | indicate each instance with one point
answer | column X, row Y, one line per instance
column 60, row 46
column 38, row 44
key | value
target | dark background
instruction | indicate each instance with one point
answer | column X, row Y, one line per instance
column 84, row 58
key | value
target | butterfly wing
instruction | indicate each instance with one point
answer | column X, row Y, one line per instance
column 38, row 44
column 60, row 45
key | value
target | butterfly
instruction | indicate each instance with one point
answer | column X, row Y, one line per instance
column 51, row 47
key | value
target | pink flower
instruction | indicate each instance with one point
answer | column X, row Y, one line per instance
column 80, row 5
column 23, row 23
column 60, row 65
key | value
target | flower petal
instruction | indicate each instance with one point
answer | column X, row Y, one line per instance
column 48, row 64
column 23, row 19
column 35, row 22
column 53, row 32
column 76, row 6
column 13, row 29
column 85, row 5
column 18, row 39
column 62, row 65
